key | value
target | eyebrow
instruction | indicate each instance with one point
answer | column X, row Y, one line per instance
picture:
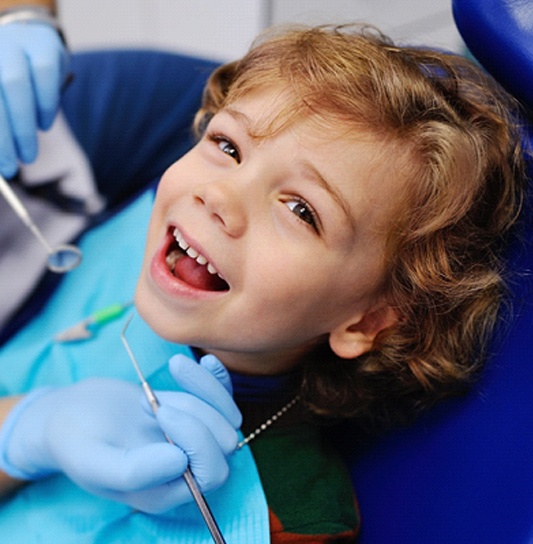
column 240, row 117
column 333, row 192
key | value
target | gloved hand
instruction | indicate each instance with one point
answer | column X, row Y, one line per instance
column 103, row 436
column 33, row 65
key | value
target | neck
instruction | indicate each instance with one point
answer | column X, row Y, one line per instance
column 263, row 363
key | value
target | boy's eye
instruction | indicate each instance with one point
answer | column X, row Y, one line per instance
column 303, row 211
column 226, row 146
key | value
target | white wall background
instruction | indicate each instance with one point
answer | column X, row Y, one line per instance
column 223, row 29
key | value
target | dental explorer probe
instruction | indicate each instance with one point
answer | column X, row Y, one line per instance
column 187, row 475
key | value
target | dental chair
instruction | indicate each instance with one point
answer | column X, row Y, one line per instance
column 463, row 473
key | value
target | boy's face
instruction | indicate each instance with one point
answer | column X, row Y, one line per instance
column 295, row 225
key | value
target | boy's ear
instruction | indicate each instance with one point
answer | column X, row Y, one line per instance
column 355, row 337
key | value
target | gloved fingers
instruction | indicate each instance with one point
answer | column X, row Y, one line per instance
column 207, row 461
column 156, row 500
column 19, row 101
column 116, row 470
column 179, row 410
column 200, row 381
column 8, row 153
column 48, row 61
column 218, row 370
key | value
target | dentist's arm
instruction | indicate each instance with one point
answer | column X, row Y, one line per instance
column 33, row 66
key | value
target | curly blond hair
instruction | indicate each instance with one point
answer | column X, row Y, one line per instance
column 464, row 190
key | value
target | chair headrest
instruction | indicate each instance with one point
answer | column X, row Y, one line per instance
column 499, row 33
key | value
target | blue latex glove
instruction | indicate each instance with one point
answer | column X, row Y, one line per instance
column 33, row 65
column 100, row 434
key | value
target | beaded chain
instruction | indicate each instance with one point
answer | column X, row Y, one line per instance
column 268, row 422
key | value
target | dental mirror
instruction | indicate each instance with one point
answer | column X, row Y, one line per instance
column 62, row 258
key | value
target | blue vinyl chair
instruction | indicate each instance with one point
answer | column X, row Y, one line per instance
column 461, row 474
column 464, row 472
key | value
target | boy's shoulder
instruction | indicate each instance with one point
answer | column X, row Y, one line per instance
column 307, row 486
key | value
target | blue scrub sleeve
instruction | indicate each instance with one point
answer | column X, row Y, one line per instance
column 132, row 111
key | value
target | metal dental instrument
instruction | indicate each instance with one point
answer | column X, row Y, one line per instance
column 62, row 258
column 187, row 475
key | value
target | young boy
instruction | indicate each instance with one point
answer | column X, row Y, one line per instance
column 334, row 239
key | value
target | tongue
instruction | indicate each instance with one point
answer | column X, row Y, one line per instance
column 196, row 275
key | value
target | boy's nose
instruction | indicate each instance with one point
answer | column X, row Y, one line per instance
column 224, row 202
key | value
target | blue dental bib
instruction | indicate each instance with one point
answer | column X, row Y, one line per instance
column 54, row 509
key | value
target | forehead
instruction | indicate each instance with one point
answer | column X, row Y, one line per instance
column 266, row 111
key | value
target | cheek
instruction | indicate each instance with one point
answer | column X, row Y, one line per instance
column 327, row 294
column 169, row 190
column 296, row 298
column 176, row 176
column 167, row 186
column 153, row 235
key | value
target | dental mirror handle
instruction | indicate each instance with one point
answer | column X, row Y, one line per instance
column 14, row 201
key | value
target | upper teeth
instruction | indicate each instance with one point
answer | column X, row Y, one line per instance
column 192, row 253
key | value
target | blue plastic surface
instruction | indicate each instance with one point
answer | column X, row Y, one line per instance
column 464, row 472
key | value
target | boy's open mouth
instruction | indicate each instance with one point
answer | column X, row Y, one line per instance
column 186, row 264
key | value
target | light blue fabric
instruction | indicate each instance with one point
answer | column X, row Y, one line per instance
column 55, row 510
